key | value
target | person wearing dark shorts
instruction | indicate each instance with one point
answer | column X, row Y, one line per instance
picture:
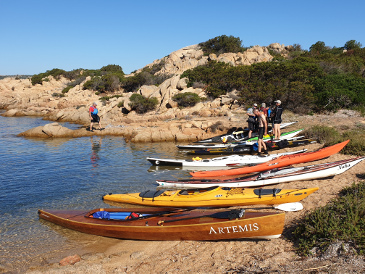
column 251, row 120
column 261, row 133
column 262, row 130
column 94, row 117
column 276, row 119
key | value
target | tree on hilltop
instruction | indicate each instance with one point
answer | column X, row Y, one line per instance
column 318, row 48
column 352, row 44
column 222, row 44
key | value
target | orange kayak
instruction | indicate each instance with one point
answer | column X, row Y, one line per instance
column 282, row 161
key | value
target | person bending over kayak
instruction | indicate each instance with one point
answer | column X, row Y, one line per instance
column 262, row 130
column 94, row 117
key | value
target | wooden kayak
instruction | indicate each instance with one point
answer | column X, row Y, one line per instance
column 274, row 176
column 249, row 142
column 282, row 161
column 219, row 161
column 155, row 224
column 245, row 149
column 212, row 197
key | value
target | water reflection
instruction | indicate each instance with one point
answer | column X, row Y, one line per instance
column 95, row 148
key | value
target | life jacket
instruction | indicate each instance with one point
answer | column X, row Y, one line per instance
column 94, row 110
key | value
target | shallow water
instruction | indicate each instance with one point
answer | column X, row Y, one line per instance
column 64, row 174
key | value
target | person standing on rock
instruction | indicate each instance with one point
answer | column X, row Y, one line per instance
column 276, row 119
column 262, row 130
column 94, row 117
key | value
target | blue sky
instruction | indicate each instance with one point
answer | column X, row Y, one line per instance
column 40, row 35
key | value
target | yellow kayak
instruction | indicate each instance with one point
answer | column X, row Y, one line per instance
column 212, row 197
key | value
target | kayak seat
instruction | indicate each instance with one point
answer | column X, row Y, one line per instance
column 232, row 214
column 151, row 193
column 259, row 192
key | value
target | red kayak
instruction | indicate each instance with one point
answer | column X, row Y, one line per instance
column 282, row 161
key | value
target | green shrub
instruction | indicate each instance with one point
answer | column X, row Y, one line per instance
column 120, row 104
column 222, row 44
column 73, row 74
column 323, row 134
column 107, row 98
column 141, row 104
column 96, row 83
column 58, row 94
column 323, row 78
column 342, row 219
column 330, row 136
column 37, row 79
column 66, row 89
column 111, row 82
column 187, row 99
column 56, row 73
column 339, row 91
column 148, row 76
column 113, row 69
column 356, row 146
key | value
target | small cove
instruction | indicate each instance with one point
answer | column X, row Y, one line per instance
column 64, row 174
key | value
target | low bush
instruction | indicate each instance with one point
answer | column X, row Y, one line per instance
column 66, row 89
column 148, row 76
column 95, row 84
column 330, row 136
column 357, row 144
column 55, row 94
column 141, row 104
column 342, row 219
column 187, row 99
column 222, row 44
column 39, row 78
column 120, row 104
column 107, row 98
column 323, row 134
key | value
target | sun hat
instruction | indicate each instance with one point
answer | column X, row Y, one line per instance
column 278, row 101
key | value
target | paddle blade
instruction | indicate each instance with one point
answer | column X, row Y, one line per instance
column 290, row 206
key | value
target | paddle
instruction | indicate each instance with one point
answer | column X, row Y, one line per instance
column 296, row 206
column 289, row 206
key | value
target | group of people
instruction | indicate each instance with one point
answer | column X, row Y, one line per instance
column 258, row 120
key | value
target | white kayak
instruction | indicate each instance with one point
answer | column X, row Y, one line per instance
column 250, row 142
column 270, row 177
column 225, row 161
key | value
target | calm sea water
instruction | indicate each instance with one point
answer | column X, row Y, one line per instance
column 63, row 174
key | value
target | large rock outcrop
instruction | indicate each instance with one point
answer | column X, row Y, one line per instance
column 19, row 97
